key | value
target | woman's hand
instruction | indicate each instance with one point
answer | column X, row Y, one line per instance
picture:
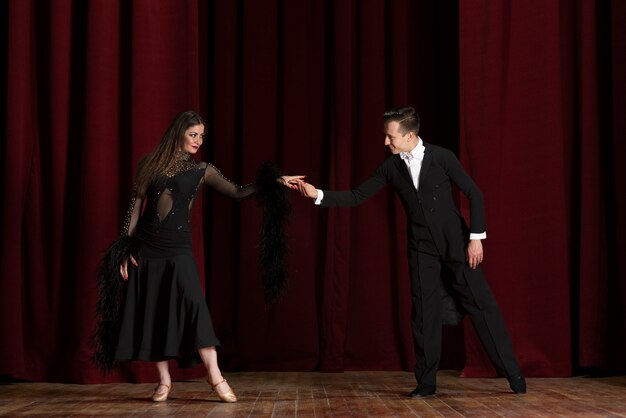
column 290, row 181
column 124, row 267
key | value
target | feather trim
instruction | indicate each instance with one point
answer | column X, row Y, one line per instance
column 111, row 291
column 272, row 197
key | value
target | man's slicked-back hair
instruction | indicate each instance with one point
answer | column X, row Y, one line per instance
column 407, row 118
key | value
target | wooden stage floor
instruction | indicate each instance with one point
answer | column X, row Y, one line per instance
column 350, row 394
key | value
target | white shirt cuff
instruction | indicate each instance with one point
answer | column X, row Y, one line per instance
column 478, row 236
column 320, row 197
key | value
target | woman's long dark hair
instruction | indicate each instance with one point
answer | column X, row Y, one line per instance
column 157, row 161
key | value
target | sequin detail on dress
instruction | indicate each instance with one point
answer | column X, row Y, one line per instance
column 129, row 213
column 182, row 162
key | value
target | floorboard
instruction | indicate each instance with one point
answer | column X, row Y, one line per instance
column 350, row 394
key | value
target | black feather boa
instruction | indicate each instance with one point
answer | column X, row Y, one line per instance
column 111, row 289
column 272, row 196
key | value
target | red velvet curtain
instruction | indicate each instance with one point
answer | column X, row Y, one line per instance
column 528, row 94
column 542, row 106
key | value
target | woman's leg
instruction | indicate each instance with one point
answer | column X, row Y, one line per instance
column 209, row 358
column 165, row 380
column 162, row 391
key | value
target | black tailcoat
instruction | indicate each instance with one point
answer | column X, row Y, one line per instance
column 434, row 203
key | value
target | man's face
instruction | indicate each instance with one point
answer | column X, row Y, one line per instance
column 395, row 141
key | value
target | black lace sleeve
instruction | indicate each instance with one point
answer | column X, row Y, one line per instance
column 216, row 180
column 132, row 214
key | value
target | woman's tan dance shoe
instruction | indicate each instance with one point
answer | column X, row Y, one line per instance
column 161, row 396
column 226, row 396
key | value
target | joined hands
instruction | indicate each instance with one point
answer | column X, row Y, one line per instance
column 290, row 181
column 298, row 183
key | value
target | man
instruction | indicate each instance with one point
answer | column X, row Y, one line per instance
column 422, row 174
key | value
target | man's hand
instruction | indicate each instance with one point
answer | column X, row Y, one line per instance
column 474, row 253
column 124, row 267
column 307, row 190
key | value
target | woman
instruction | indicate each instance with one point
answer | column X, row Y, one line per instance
column 159, row 313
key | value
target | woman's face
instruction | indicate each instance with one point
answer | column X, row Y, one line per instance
column 192, row 139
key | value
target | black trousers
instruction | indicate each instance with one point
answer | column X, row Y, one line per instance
column 475, row 298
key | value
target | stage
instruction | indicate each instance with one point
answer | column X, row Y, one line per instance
column 350, row 394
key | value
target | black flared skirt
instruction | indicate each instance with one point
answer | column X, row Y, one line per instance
column 165, row 315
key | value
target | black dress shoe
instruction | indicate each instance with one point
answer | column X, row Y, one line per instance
column 422, row 391
column 517, row 384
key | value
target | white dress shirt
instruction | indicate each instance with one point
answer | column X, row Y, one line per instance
column 413, row 160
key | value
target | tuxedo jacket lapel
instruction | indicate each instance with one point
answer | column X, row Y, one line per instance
column 428, row 158
column 404, row 170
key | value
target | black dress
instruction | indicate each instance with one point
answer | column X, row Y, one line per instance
column 164, row 313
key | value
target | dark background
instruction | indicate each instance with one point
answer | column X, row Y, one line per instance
column 527, row 93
